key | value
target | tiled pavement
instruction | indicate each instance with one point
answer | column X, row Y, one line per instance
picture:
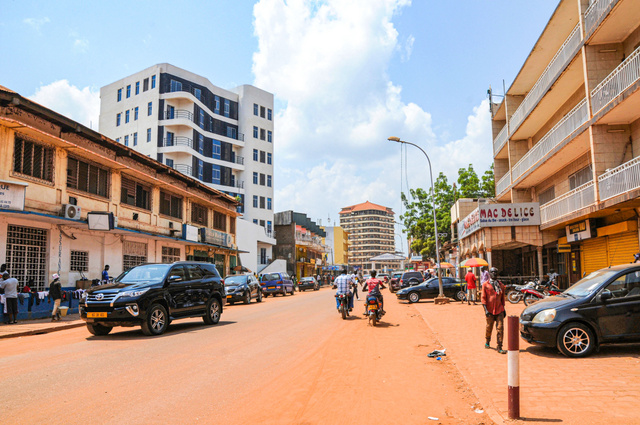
column 602, row 388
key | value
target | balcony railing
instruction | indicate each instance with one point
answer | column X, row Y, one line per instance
column 567, row 125
column 500, row 140
column 619, row 180
column 557, row 64
column 184, row 169
column 239, row 160
column 238, row 183
column 627, row 73
column 503, row 184
column 177, row 113
column 178, row 141
column 594, row 13
column 568, row 203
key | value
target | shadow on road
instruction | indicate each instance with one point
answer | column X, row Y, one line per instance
column 605, row 351
column 173, row 329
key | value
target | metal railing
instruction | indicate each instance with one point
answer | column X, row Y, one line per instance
column 177, row 113
column 503, row 184
column 184, row 169
column 239, row 160
column 557, row 64
column 594, row 13
column 627, row 73
column 500, row 140
column 580, row 197
column 238, row 183
column 178, row 141
column 619, row 180
column 563, row 129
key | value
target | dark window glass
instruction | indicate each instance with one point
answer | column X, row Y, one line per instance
column 135, row 194
column 195, row 272
column 199, row 214
column 170, row 205
column 219, row 221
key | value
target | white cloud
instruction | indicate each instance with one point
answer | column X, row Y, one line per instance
column 36, row 23
column 326, row 62
column 408, row 48
column 81, row 44
column 82, row 105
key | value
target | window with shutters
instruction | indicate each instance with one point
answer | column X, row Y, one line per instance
column 133, row 254
column 33, row 159
column 170, row 205
column 547, row 196
column 135, row 194
column 87, row 177
column 232, row 225
column 219, row 221
column 170, row 255
column 199, row 214
column 581, row 177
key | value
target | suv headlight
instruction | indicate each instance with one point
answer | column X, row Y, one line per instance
column 136, row 293
column 545, row 316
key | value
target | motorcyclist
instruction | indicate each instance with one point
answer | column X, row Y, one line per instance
column 374, row 285
column 343, row 285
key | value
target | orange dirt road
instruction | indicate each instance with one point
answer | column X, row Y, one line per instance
column 287, row 360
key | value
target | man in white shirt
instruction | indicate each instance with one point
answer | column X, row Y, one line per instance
column 10, row 286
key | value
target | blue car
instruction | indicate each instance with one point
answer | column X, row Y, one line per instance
column 276, row 283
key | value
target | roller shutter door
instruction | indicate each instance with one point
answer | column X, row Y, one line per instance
column 594, row 254
column 622, row 247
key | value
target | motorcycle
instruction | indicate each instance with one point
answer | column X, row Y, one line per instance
column 541, row 291
column 344, row 305
column 374, row 312
column 516, row 294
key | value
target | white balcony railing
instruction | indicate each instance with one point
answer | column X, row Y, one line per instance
column 500, row 140
column 580, row 197
column 627, row 73
column 503, row 184
column 619, row 180
column 567, row 125
column 557, row 64
column 594, row 13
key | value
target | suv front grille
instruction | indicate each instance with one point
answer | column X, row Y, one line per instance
column 101, row 297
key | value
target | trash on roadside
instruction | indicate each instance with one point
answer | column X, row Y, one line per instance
column 479, row 411
column 436, row 353
column 433, row 419
column 438, row 358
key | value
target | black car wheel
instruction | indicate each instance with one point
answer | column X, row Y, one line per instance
column 98, row 329
column 213, row 312
column 156, row 321
column 576, row 340
column 247, row 297
column 414, row 297
column 530, row 299
column 293, row 291
column 461, row 296
column 259, row 299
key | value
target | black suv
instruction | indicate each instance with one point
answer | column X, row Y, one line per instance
column 411, row 279
column 151, row 295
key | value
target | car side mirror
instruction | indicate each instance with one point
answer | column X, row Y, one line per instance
column 174, row 278
column 606, row 295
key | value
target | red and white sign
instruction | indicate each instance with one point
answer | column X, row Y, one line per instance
column 499, row 215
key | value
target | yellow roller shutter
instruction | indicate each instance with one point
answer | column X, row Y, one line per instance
column 594, row 254
column 622, row 247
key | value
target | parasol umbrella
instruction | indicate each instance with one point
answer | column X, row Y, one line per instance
column 445, row 265
column 474, row 262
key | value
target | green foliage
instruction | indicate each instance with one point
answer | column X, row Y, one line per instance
column 418, row 218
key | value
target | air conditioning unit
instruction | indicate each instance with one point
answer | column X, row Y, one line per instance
column 71, row 211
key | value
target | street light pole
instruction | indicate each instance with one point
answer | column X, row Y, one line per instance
column 441, row 298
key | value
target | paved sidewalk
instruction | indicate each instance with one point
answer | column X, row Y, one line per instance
column 39, row 326
column 602, row 388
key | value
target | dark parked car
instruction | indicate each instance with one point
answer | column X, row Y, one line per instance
column 308, row 283
column 151, row 295
column 602, row 308
column 394, row 282
column 430, row 289
column 242, row 288
column 276, row 283
column 411, row 278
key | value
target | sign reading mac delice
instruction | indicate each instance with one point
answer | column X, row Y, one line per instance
column 496, row 215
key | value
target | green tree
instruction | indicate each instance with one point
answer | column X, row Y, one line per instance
column 488, row 188
column 468, row 183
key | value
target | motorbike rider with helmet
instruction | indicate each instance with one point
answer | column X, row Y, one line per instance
column 374, row 285
column 343, row 285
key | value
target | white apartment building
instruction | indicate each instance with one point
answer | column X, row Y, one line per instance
column 223, row 138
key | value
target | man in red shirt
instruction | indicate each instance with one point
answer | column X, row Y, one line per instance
column 493, row 302
column 374, row 285
column 471, row 287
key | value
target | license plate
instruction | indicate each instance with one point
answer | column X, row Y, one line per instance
column 228, row 296
column 97, row 315
column 373, row 307
column 271, row 287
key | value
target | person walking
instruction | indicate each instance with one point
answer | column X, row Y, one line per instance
column 105, row 274
column 55, row 291
column 470, row 278
column 355, row 286
column 10, row 286
column 493, row 302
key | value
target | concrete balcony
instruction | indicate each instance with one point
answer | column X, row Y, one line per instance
column 503, row 184
column 623, row 77
column 571, row 202
column 620, row 180
column 561, row 131
column 181, row 142
column 185, row 117
column 500, row 140
column 595, row 13
column 562, row 57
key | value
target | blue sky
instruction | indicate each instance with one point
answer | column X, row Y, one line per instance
column 347, row 74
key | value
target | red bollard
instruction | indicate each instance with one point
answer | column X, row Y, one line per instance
column 513, row 366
